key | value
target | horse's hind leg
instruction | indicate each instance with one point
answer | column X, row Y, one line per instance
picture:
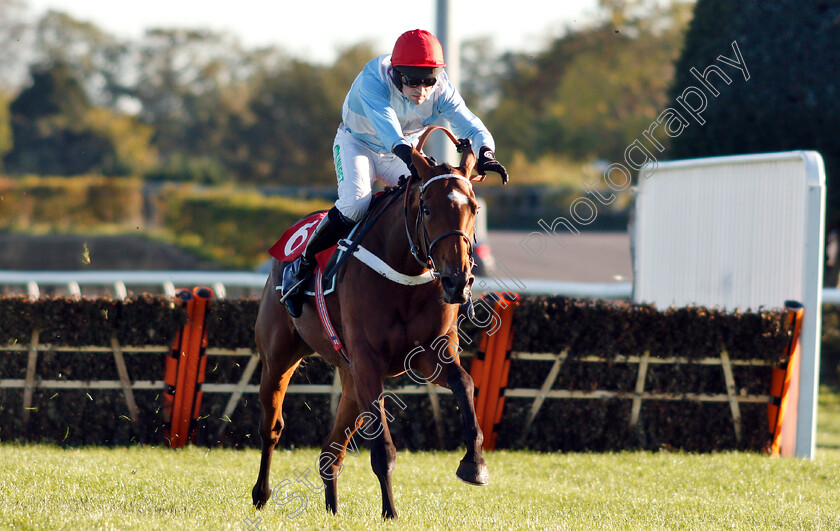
column 272, row 393
column 281, row 350
column 335, row 445
column 369, row 377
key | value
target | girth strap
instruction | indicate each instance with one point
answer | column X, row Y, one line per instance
column 324, row 314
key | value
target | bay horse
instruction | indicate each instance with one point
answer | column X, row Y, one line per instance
column 381, row 323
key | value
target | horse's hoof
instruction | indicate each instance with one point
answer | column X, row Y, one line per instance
column 473, row 473
column 259, row 497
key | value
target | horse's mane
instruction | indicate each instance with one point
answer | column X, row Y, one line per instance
column 379, row 203
column 414, row 182
column 388, row 190
column 377, row 207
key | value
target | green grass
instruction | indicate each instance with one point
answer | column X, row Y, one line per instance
column 828, row 422
column 46, row 487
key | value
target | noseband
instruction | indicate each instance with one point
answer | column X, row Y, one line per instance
column 420, row 223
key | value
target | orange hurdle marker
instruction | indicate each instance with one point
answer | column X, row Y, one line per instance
column 490, row 370
column 172, row 399
column 202, row 294
column 191, row 365
column 479, row 369
column 777, row 409
column 499, row 375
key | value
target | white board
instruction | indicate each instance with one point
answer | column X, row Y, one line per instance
column 738, row 232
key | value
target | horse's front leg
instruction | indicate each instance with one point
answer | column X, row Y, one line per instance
column 473, row 468
column 369, row 377
column 447, row 372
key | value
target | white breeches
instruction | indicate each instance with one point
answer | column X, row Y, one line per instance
column 356, row 168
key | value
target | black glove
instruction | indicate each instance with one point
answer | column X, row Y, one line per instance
column 403, row 151
column 487, row 162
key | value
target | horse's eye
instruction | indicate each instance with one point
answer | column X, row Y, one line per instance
column 426, row 211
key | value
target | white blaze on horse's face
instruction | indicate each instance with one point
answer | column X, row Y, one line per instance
column 459, row 198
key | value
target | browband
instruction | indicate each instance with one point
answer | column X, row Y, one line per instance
column 445, row 176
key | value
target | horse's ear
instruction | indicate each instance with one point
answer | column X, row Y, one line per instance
column 420, row 163
column 468, row 162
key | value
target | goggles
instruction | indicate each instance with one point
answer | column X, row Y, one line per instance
column 414, row 82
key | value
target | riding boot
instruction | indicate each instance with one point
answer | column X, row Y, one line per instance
column 332, row 228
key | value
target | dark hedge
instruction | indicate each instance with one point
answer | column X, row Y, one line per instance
column 608, row 328
column 138, row 320
column 541, row 324
column 830, row 353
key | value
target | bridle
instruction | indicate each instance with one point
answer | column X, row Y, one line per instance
column 420, row 223
column 428, row 245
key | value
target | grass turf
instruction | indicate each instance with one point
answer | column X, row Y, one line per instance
column 47, row 487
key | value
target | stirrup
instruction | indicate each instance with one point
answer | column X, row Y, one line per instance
column 293, row 296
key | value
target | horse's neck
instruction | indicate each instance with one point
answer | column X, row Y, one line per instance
column 396, row 249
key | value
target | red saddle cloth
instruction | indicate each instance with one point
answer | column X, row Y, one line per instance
column 292, row 243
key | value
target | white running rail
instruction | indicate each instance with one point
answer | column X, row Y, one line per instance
column 120, row 282
column 72, row 283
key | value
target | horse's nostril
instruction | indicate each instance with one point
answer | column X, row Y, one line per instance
column 448, row 283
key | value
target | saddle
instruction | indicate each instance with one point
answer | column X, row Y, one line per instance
column 330, row 261
column 291, row 245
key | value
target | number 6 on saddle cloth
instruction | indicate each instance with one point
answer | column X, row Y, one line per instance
column 292, row 244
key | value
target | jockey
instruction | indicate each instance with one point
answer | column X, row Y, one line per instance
column 391, row 103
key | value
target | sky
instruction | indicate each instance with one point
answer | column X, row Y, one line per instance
column 315, row 30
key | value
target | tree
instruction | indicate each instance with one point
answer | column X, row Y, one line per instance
column 296, row 110
column 593, row 90
column 6, row 139
column 194, row 89
column 480, row 68
column 790, row 100
column 290, row 140
column 99, row 60
column 56, row 131
column 179, row 71
column 14, row 31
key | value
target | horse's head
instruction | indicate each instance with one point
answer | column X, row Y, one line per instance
column 446, row 210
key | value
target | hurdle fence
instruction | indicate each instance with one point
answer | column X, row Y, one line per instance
column 118, row 283
column 236, row 389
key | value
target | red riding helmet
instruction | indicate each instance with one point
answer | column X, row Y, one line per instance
column 418, row 48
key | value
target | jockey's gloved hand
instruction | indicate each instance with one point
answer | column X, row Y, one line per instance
column 403, row 151
column 487, row 162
